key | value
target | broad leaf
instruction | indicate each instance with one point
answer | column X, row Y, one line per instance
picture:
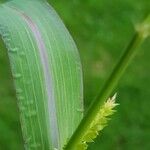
column 46, row 70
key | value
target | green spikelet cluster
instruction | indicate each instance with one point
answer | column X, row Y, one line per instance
column 101, row 120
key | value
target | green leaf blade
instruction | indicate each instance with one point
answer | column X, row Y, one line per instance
column 47, row 72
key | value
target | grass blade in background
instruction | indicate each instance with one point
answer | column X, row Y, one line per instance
column 46, row 70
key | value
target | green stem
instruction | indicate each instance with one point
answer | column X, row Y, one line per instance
column 107, row 89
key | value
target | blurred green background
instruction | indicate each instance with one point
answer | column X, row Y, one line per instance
column 102, row 29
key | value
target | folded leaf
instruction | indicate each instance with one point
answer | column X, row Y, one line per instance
column 46, row 70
